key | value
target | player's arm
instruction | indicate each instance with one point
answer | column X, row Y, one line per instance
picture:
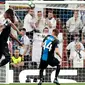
column 42, row 44
column 15, row 39
column 1, row 27
column 15, row 28
column 8, row 22
column 57, row 51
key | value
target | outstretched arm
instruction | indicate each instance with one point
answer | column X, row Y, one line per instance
column 8, row 21
column 15, row 28
column 15, row 39
column 57, row 52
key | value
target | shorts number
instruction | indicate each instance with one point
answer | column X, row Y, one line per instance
column 48, row 46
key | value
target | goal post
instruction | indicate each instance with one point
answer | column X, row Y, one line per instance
column 4, row 74
column 62, row 10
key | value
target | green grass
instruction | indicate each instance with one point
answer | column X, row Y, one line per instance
column 48, row 84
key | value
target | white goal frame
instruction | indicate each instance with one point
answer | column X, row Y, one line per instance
column 42, row 4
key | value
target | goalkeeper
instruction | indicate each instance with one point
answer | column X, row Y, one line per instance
column 49, row 47
column 5, row 29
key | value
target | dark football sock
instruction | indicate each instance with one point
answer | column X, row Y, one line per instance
column 41, row 74
column 57, row 71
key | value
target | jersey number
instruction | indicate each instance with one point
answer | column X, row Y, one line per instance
column 48, row 46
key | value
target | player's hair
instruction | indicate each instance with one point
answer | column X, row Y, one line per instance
column 10, row 14
column 56, row 32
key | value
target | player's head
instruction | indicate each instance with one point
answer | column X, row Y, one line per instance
column 23, row 31
column 9, row 14
column 16, row 53
column 55, row 32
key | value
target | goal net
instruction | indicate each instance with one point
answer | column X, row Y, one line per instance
column 72, row 67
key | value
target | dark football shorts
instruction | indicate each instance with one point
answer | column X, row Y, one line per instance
column 51, row 62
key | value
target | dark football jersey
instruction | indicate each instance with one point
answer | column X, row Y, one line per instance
column 50, row 43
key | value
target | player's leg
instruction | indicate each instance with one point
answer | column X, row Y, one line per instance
column 6, row 55
column 43, row 65
column 3, row 38
column 56, row 75
column 55, row 62
column 5, row 61
column 40, row 76
column 3, row 45
column 0, row 55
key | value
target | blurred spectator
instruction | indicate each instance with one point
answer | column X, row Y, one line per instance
column 71, row 46
column 59, row 25
column 50, row 21
column 29, row 24
column 24, row 50
column 46, row 31
column 44, row 13
column 74, row 25
column 16, row 60
column 40, row 21
column 82, row 13
column 82, row 17
column 77, row 56
column 83, row 37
